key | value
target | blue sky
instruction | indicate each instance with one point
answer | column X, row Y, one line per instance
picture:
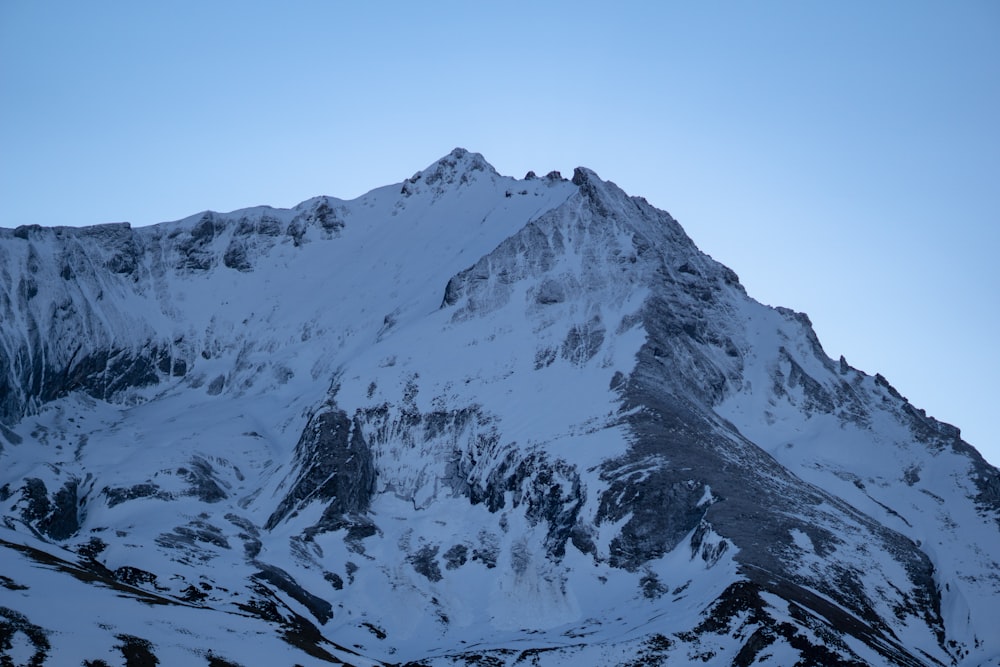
column 842, row 158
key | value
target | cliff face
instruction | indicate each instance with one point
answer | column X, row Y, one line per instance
column 466, row 419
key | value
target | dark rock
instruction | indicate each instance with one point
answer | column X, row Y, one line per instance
column 327, row 216
column 335, row 580
column 27, row 289
column 235, row 256
column 134, row 576
column 119, row 495
column 92, row 548
column 24, row 231
column 103, row 373
column 687, row 268
column 63, row 521
column 817, row 398
column 760, row 639
column 137, row 652
column 882, row 382
column 13, row 622
column 335, row 466
column 297, row 231
column 10, row 436
column 216, row 385
column 544, row 357
column 651, row 586
column 204, row 230
column 488, row 549
column 549, row 491
column 11, row 585
column 662, row 508
column 252, row 547
column 187, row 537
column 201, row 481
column 196, row 250
column 550, row 291
column 583, row 342
column 268, row 225
column 243, row 523
column 320, row 608
column 163, row 361
column 456, row 556
column 57, row 518
column 193, row 594
column 375, row 630
column 126, row 258
column 424, row 561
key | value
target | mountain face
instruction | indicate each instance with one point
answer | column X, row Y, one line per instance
column 461, row 420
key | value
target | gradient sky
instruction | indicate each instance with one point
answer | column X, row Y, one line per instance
column 843, row 158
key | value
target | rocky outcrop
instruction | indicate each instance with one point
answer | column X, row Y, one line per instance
column 55, row 515
column 334, row 467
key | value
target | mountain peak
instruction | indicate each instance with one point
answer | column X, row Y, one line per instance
column 272, row 415
column 582, row 175
column 460, row 159
column 457, row 167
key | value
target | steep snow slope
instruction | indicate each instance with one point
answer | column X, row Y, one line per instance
column 465, row 419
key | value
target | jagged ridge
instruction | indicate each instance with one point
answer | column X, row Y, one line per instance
column 542, row 409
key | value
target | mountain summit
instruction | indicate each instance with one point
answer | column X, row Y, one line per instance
column 461, row 420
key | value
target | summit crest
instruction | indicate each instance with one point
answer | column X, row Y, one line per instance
column 462, row 419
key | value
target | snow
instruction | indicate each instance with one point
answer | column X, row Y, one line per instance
column 353, row 315
column 865, row 463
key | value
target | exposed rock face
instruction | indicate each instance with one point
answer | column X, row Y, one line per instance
column 54, row 515
column 336, row 469
column 465, row 410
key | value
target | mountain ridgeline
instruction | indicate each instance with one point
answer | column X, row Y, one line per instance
column 465, row 419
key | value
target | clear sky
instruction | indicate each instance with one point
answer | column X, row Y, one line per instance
column 843, row 158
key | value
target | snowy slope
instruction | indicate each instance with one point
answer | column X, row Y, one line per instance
column 464, row 419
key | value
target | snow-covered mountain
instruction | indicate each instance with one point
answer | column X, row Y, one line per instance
column 461, row 420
